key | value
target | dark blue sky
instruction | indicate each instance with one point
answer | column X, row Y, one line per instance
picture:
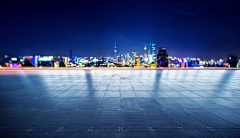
column 90, row 27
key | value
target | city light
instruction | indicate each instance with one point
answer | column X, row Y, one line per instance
column 47, row 58
column 14, row 59
column 149, row 58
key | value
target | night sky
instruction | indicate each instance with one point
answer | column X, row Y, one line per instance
column 195, row 28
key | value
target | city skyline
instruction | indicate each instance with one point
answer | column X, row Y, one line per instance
column 120, row 68
column 150, row 47
column 194, row 29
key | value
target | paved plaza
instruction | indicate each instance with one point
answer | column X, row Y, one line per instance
column 120, row 103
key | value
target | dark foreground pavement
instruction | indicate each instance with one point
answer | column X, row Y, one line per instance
column 120, row 103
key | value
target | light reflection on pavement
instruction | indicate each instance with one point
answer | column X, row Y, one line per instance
column 120, row 103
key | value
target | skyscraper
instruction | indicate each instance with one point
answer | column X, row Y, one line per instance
column 145, row 50
column 149, row 49
column 153, row 49
column 66, row 60
column 149, row 59
column 141, row 59
column 115, row 50
column 232, row 60
column 127, row 58
column 149, row 53
column 134, row 54
column 122, row 59
column 118, row 58
column 162, row 57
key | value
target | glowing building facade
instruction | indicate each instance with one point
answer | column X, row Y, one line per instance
column 153, row 50
column 134, row 54
column 127, row 58
column 115, row 50
column 149, row 54
column 145, row 50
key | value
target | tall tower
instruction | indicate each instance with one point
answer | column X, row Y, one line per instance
column 149, row 53
column 149, row 49
column 153, row 49
column 115, row 50
column 127, row 58
column 145, row 50
column 134, row 54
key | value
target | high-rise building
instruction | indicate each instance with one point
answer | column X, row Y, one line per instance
column 134, row 54
column 141, row 59
column 118, row 58
column 107, row 60
column 153, row 50
column 149, row 53
column 232, row 60
column 149, row 59
column 145, row 50
column 115, row 50
column 162, row 57
column 149, row 49
column 127, row 58
column 94, row 61
column 122, row 59
column 137, row 60
column 66, row 60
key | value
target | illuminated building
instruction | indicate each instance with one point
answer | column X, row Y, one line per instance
column 56, row 64
column 145, row 50
column 162, row 57
column 115, row 50
column 122, row 59
column 137, row 61
column 46, row 61
column 145, row 58
column 184, row 62
column 149, row 54
column 119, row 58
column 36, row 60
column 94, row 61
column 66, row 60
column 173, row 61
column 127, row 58
column 134, row 54
column 141, row 59
column 14, row 59
column 149, row 59
column 153, row 50
column 232, row 60
column 78, row 60
column 133, row 57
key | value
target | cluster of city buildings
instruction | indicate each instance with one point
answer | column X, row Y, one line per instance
column 150, row 58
